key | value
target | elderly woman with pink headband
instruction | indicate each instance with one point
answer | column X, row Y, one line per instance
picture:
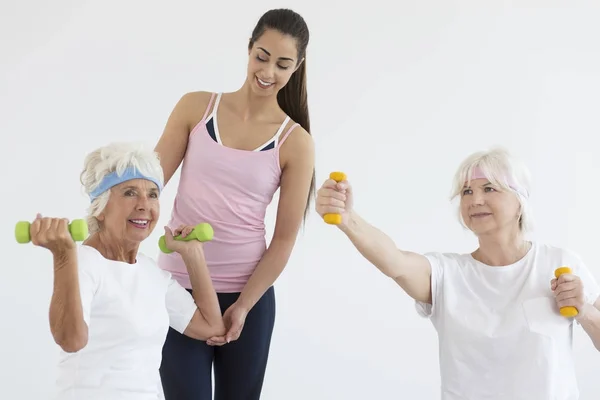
column 500, row 313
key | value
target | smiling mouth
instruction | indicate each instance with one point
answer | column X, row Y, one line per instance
column 264, row 84
column 139, row 223
column 480, row 215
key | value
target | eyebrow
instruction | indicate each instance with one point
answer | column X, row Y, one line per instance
column 486, row 184
column 137, row 188
column 281, row 58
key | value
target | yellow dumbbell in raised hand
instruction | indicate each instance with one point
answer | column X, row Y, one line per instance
column 335, row 219
column 568, row 311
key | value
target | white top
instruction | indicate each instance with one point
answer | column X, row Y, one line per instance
column 500, row 333
column 128, row 309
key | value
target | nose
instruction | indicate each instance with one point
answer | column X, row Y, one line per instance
column 269, row 71
column 142, row 203
column 478, row 198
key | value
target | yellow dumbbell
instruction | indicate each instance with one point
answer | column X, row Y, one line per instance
column 335, row 219
column 568, row 311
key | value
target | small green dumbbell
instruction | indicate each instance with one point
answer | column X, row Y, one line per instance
column 77, row 228
column 202, row 232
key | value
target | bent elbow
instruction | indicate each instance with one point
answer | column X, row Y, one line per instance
column 210, row 331
column 72, row 344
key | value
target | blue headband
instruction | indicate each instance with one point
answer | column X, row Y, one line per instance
column 114, row 179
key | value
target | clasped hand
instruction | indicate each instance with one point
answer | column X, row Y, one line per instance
column 568, row 291
column 181, row 246
column 52, row 234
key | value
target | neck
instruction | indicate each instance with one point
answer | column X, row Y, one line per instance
column 500, row 250
column 113, row 249
column 251, row 106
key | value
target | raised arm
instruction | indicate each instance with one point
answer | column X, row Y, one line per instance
column 172, row 145
column 207, row 320
column 411, row 271
column 67, row 319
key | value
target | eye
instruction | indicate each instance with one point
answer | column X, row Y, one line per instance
column 260, row 59
column 467, row 191
column 130, row 193
column 489, row 189
column 154, row 195
column 283, row 67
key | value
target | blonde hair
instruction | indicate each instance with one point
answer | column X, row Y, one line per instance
column 115, row 157
column 502, row 170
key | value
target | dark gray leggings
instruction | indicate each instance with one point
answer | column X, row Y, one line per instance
column 239, row 366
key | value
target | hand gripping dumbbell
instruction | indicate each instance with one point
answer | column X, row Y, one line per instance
column 568, row 311
column 202, row 232
column 335, row 219
column 77, row 228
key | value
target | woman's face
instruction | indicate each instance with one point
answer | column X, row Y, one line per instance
column 487, row 209
column 272, row 60
column 132, row 211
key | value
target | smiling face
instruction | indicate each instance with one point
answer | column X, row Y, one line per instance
column 273, row 58
column 132, row 211
column 488, row 209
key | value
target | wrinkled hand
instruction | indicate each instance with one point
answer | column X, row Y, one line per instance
column 234, row 319
column 180, row 246
column 334, row 198
column 52, row 234
column 568, row 291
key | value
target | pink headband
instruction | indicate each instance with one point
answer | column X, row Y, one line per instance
column 477, row 173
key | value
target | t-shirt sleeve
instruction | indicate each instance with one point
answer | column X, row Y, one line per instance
column 180, row 305
column 87, row 273
column 426, row 310
column 591, row 289
column 87, row 290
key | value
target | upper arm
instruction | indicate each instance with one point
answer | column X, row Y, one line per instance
column 172, row 145
column 180, row 305
column 184, row 315
column 417, row 279
column 298, row 160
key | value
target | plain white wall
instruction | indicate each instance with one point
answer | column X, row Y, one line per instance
column 397, row 99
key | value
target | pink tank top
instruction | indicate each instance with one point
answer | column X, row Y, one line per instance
column 230, row 189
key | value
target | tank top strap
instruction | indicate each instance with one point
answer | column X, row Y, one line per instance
column 286, row 134
column 216, row 97
column 212, row 98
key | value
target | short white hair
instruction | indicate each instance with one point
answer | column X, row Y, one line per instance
column 115, row 157
column 502, row 170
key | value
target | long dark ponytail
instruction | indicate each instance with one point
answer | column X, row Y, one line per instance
column 292, row 98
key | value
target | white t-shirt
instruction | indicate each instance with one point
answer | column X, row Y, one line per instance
column 128, row 309
column 501, row 336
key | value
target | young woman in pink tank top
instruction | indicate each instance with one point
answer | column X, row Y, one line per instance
column 236, row 150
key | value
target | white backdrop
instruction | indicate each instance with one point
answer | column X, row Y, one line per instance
column 397, row 99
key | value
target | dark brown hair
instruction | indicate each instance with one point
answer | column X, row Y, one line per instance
column 292, row 98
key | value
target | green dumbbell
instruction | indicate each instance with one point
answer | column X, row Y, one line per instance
column 77, row 228
column 202, row 232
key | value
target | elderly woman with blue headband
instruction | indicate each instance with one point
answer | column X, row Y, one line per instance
column 504, row 321
column 111, row 305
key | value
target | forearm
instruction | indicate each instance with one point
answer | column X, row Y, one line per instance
column 203, row 291
column 266, row 273
column 374, row 245
column 590, row 321
column 66, row 312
